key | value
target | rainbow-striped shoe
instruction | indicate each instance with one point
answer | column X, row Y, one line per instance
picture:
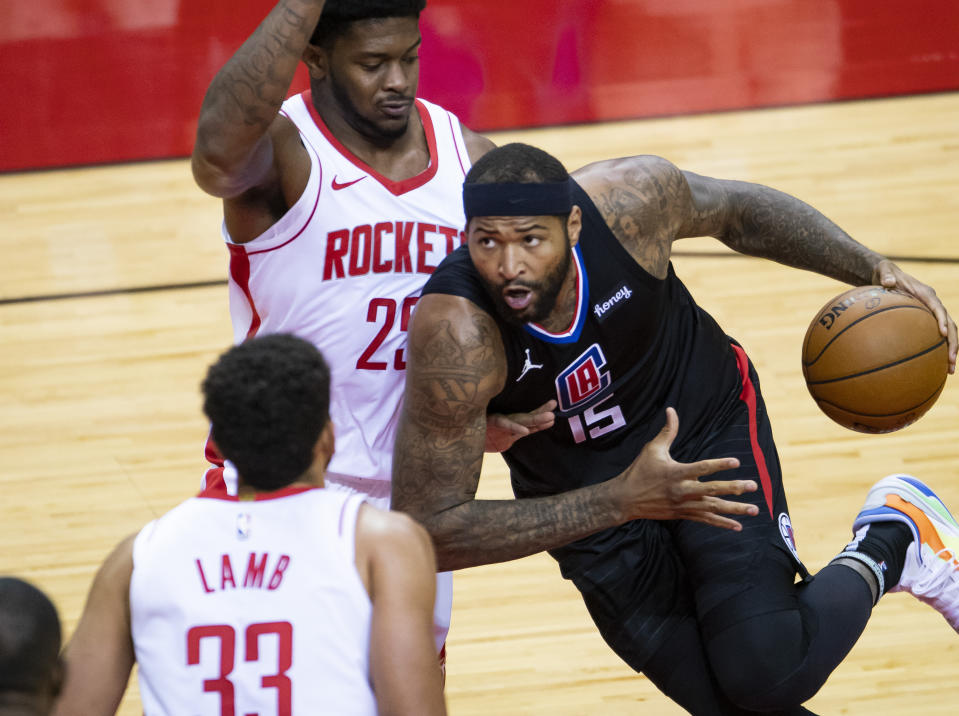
column 931, row 571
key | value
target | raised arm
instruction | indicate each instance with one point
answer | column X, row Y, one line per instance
column 238, row 124
column 669, row 204
column 396, row 561
column 456, row 364
column 99, row 656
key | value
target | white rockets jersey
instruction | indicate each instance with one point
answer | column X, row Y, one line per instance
column 252, row 607
column 343, row 269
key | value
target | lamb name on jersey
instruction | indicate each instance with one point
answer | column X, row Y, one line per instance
column 252, row 607
column 254, row 577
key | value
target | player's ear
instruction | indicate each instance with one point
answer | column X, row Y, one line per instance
column 574, row 223
column 317, row 61
column 59, row 676
column 326, row 445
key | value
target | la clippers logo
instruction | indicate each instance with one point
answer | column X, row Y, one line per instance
column 585, row 377
column 786, row 530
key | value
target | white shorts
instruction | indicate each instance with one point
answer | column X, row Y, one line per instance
column 377, row 493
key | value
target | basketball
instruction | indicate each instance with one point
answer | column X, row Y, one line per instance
column 874, row 360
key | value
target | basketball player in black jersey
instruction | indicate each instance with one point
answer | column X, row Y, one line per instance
column 553, row 298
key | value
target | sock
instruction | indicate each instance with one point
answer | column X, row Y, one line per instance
column 885, row 544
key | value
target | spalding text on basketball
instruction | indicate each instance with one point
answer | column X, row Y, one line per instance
column 827, row 319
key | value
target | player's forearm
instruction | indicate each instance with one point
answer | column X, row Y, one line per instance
column 489, row 531
column 246, row 94
column 91, row 687
column 435, row 477
column 782, row 228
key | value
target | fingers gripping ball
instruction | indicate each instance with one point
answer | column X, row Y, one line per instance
column 874, row 360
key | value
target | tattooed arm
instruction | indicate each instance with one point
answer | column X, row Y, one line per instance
column 649, row 203
column 245, row 152
column 456, row 364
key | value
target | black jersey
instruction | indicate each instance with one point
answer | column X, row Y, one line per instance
column 637, row 345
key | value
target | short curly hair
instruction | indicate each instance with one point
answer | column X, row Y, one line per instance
column 268, row 400
column 516, row 163
column 337, row 15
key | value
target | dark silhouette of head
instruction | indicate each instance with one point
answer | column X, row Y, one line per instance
column 31, row 672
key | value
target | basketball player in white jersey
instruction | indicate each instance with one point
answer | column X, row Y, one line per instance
column 338, row 204
column 286, row 599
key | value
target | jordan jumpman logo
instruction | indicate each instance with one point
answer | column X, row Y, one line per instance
column 528, row 366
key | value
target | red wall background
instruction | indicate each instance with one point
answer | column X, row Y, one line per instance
column 91, row 81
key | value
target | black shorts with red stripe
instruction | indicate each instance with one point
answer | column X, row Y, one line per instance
column 642, row 580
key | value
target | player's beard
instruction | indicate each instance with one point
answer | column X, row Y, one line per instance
column 545, row 292
column 370, row 129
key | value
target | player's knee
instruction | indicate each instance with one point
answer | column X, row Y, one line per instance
column 756, row 662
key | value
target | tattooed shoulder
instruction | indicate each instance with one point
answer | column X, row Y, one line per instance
column 637, row 197
column 456, row 362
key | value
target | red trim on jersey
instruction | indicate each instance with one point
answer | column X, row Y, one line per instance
column 215, row 494
column 394, row 187
column 748, row 396
column 240, row 261
column 240, row 272
column 456, row 145
column 213, row 481
column 211, row 452
column 316, row 203
column 213, row 477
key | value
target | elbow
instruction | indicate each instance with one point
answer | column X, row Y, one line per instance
column 215, row 176
column 442, row 537
column 430, row 521
column 209, row 175
column 445, row 563
column 447, row 558
column 451, row 545
column 227, row 173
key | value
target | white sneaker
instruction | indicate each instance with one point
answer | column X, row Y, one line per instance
column 931, row 570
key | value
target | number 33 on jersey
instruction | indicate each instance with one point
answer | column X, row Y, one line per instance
column 252, row 607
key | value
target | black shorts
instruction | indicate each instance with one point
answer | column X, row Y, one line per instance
column 643, row 578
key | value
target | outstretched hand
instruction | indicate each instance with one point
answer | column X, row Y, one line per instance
column 890, row 276
column 656, row 487
column 504, row 430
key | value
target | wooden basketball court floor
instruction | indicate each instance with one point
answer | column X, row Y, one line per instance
column 114, row 302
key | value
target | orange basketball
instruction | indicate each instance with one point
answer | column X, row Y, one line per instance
column 874, row 360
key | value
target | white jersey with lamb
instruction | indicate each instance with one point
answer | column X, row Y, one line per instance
column 252, row 607
column 344, row 267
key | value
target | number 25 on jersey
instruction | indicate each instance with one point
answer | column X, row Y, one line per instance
column 385, row 310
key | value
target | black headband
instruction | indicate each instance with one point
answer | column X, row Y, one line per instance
column 513, row 199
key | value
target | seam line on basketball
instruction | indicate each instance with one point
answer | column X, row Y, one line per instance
column 906, row 359
column 850, row 411
column 858, row 320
